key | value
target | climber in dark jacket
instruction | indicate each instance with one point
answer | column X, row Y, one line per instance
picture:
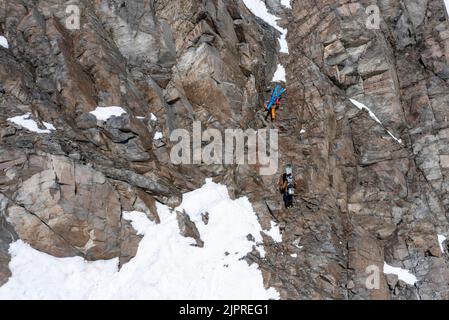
column 287, row 190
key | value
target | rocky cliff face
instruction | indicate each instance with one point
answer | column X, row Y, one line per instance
column 365, row 197
column 167, row 63
column 368, row 193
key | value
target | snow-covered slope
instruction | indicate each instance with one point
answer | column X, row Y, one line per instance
column 166, row 266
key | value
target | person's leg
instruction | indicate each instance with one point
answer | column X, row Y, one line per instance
column 268, row 114
column 285, row 197
column 273, row 114
column 290, row 201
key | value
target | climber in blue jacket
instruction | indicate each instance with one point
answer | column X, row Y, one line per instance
column 274, row 103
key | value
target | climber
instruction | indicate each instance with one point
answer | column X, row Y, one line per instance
column 287, row 185
column 274, row 103
column 272, row 111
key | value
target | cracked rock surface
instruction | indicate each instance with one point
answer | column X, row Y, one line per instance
column 363, row 198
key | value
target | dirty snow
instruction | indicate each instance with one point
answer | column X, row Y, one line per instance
column 402, row 274
column 361, row 106
column 4, row 42
column 26, row 122
column 441, row 239
column 166, row 265
column 104, row 113
column 274, row 232
column 158, row 135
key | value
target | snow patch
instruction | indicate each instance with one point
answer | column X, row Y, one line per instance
column 259, row 9
column 446, row 3
column 166, row 265
column 4, row 42
column 26, row 122
column 441, row 239
column 153, row 117
column 294, row 255
column 361, row 106
column 158, row 135
column 279, row 75
column 287, row 3
column 402, row 274
column 302, row 131
column 104, row 113
column 37, row 275
column 274, row 232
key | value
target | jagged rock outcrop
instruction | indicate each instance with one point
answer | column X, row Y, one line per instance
column 188, row 229
column 166, row 63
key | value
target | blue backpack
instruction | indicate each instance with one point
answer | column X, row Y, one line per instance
column 277, row 92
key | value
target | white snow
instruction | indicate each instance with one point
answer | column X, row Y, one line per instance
column 296, row 243
column 402, row 274
column 287, row 3
column 104, row 113
column 361, row 106
column 294, row 255
column 158, row 135
column 274, row 232
column 4, row 42
column 259, row 9
column 26, row 122
column 446, row 3
column 441, row 239
column 283, row 42
column 302, row 131
column 37, row 275
column 166, row 265
column 153, row 117
column 279, row 75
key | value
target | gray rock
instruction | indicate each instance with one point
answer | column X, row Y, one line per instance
column 86, row 121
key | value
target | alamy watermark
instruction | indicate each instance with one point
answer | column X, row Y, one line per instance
column 373, row 20
column 190, row 149
column 238, row 147
column 73, row 18
column 372, row 281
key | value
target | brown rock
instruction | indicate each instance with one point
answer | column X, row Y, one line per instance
column 188, row 229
